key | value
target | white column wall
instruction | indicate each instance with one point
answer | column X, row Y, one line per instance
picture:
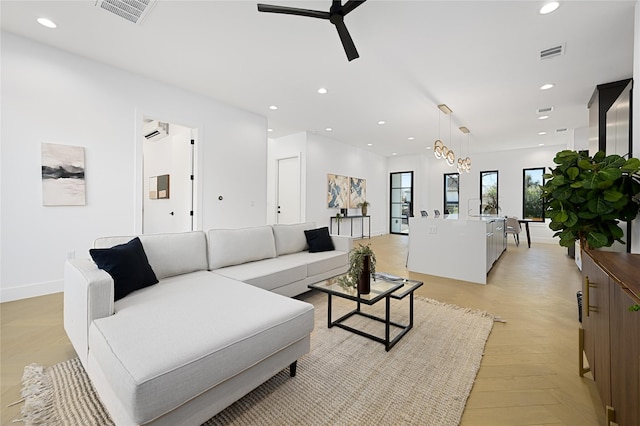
column 49, row 95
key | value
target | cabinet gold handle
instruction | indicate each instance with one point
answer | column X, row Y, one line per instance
column 587, row 285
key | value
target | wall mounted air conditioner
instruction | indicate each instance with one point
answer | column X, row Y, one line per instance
column 155, row 130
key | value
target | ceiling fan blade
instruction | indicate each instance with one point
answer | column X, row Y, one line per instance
column 350, row 5
column 292, row 11
column 345, row 38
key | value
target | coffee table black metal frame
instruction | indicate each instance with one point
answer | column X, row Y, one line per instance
column 380, row 289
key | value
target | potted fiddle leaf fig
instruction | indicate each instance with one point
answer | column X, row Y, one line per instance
column 586, row 197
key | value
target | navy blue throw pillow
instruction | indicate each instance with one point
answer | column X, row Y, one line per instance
column 319, row 240
column 128, row 266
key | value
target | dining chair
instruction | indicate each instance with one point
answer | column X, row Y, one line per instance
column 513, row 227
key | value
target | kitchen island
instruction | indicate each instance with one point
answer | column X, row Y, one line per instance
column 462, row 249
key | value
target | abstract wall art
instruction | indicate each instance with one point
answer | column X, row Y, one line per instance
column 63, row 182
column 338, row 191
column 357, row 192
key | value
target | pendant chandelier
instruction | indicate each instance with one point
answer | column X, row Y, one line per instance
column 464, row 165
column 440, row 150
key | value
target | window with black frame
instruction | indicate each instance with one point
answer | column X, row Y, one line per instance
column 532, row 203
column 451, row 192
column 489, row 192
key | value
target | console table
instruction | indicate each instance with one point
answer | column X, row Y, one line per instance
column 350, row 219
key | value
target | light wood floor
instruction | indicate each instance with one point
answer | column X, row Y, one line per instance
column 528, row 375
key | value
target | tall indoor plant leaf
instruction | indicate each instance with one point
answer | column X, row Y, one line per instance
column 586, row 197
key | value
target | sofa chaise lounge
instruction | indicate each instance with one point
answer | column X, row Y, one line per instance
column 211, row 330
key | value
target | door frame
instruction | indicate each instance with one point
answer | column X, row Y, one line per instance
column 197, row 159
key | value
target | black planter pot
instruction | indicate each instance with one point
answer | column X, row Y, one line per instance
column 364, row 282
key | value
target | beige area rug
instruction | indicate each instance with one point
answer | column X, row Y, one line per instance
column 345, row 379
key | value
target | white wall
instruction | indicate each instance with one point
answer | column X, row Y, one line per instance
column 329, row 156
column 52, row 96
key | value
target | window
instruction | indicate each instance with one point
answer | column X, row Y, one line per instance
column 489, row 192
column 532, row 205
column 401, row 202
column 451, row 187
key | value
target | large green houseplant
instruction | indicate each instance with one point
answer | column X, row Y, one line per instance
column 587, row 196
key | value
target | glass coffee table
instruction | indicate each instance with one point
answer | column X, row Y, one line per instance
column 385, row 287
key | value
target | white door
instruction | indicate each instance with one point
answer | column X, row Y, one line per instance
column 168, row 209
column 288, row 191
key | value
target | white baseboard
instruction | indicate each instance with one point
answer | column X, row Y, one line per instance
column 31, row 290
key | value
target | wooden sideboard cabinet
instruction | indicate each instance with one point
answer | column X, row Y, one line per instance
column 610, row 333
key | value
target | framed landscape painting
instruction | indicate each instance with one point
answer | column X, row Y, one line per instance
column 357, row 192
column 337, row 191
column 63, row 182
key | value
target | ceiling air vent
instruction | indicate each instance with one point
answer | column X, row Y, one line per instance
column 561, row 130
column 545, row 110
column 132, row 10
column 551, row 52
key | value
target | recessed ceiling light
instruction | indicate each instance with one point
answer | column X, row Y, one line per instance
column 540, row 144
column 542, row 133
column 381, row 122
column 394, row 153
column 322, row 90
column 369, row 144
column 328, row 129
column 547, row 86
column 428, row 147
column 411, row 138
column 543, row 117
column 269, row 130
column 549, row 7
column 273, row 107
column 47, row 22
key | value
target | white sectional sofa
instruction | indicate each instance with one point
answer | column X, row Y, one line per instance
column 212, row 329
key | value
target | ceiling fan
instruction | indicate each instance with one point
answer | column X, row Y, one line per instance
column 335, row 15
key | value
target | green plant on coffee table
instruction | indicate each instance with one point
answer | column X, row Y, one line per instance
column 586, row 197
column 356, row 265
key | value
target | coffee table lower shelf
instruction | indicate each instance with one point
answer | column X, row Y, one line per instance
column 386, row 341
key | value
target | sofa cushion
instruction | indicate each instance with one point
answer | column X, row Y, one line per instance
column 169, row 254
column 319, row 240
column 267, row 274
column 235, row 246
column 291, row 238
column 128, row 266
column 318, row 263
column 165, row 357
